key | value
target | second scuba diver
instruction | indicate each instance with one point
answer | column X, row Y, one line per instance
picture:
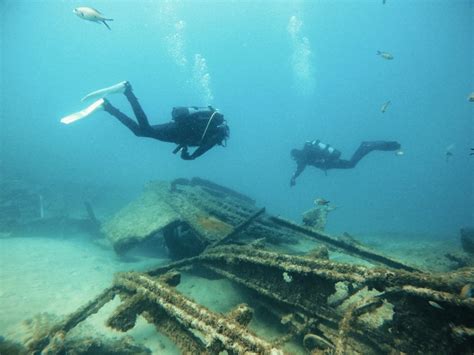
column 325, row 157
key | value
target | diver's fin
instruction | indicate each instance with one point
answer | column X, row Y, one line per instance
column 105, row 23
column 96, row 106
column 117, row 88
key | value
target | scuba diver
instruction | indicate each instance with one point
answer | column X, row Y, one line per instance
column 201, row 127
column 325, row 157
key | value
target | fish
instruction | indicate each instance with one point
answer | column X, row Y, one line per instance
column 470, row 98
column 90, row 14
column 449, row 155
column 435, row 305
column 385, row 55
column 385, row 106
column 321, row 201
column 399, row 153
column 449, row 152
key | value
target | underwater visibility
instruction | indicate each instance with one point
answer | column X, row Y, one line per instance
column 237, row 177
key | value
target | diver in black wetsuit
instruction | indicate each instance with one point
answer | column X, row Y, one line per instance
column 191, row 126
column 325, row 157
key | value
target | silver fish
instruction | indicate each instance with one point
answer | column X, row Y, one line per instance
column 435, row 305
column 385, row 106
column 90, row 14
column 385, row 55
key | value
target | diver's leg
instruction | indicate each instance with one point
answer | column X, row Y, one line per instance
column 367, row 147
column 127, row 121
column 136, row 107
column 167, row 132
column 341, row 164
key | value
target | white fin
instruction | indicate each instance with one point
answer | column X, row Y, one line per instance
column 98, row 105
column 117, row 88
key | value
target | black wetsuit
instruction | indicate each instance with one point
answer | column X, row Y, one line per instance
column 203, row 129
column 324, row 157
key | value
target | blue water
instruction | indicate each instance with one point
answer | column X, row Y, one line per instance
column 282, row 73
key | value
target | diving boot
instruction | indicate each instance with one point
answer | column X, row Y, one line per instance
column 114, row 89
column 96, row 106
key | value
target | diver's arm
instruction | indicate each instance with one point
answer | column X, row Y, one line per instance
column 203, row 148
column 299, row 169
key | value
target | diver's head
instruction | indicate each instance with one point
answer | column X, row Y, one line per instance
column 223, row 132
column 296, row 154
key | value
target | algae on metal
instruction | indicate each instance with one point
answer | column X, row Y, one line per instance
column 163, row 207
column 326, row 306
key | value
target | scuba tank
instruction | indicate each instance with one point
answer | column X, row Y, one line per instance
column 327, row 152
column 180, row 113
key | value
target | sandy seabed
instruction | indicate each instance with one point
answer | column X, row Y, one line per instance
column 57, row 276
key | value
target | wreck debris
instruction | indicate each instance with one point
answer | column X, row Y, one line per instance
column 442, row 298
column 41, row 340
column 19, row 203
column 196, row 214
column 313, row 341
column 191, row 216
column 347, row 322
column 320, row 252
column 467, row 240
column 214, row 332
column 242, row 314
column 316, row 217
column 26, row 208
column 347, row 248
column 324, row 306
column 327, row 326
column 238, row 229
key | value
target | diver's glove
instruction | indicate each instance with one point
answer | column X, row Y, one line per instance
column 185, row 155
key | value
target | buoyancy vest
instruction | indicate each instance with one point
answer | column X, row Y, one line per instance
column 325, row 150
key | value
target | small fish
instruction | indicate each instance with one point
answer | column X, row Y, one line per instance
column 90, row 14
column 471, row 97
column 385, row 106
column 467, row 291
column 472, row 151
column 399, row 153
column 384, row 2
column 449, row 152
column 385, row 55
column 449, row 155
column 435, row 305
column 321, row 201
